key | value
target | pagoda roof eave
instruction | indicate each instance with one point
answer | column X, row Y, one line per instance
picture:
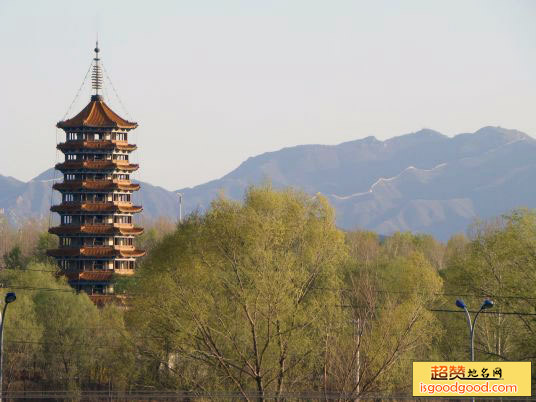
column 96, row 229
column 97, row 115
column 96, row 145
column 96, row 251
column 95, row 207
column 96, row 165
column 103, row 185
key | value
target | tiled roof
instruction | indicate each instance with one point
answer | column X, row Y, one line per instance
column 100, row 276
column 97, row 114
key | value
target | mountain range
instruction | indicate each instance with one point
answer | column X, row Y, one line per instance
column 423, row 182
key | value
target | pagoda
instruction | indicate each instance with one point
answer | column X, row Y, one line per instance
column 96, row 231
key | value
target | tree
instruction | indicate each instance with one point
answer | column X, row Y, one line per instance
column 242, row 296
column 387, row 323
column 57, row 339
column 45, row 242
column 403, row 244
column 364, row 247
column 498, row 262
column 14, row 259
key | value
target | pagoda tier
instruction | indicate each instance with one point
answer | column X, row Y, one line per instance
column 115, row 230
column 97, row 251
column 96, row 165
column 96, row 231
column 101, row 185
column 95, row 207
column 96, row 145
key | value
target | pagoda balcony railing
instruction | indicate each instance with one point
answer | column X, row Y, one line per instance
column 97, row 202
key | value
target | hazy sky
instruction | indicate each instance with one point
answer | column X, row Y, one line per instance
column 212, row 83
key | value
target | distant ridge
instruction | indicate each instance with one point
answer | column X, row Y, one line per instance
column 424, row 181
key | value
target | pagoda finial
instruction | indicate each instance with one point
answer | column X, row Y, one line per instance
column 96, row 76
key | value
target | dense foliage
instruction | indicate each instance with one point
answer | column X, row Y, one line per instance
column 267, row 297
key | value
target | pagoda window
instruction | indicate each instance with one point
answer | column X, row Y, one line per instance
column 65, row 241
column 123, row 241
column 122, row 197
column 109, row 157
column 67, row 219
column 68, row 197
column 120, row 136
column 122, row 219
column 69, row 176
column 97, row 219
column 124, row 265
column 99, row 290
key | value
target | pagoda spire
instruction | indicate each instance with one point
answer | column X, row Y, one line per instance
column 96, row 76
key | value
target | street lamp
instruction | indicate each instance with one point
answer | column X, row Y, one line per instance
column 10, row 298
column 485, row 305
column 180, row 206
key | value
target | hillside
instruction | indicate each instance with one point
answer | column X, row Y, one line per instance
column 423, row 182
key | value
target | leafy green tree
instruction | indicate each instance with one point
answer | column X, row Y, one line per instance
column 364, row 247
column 45, row 242
column 498, row 262
column 14, row 259
column 242, row 296
column 57, row 339
column 403, row 244
column 387, row 325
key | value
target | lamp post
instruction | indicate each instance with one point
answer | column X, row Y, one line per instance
column 485, row 305
column 180, row 206
column 10, row 297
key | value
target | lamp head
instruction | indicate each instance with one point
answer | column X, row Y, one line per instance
column 460, row 303
column 10, row 297
column 487, row 304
